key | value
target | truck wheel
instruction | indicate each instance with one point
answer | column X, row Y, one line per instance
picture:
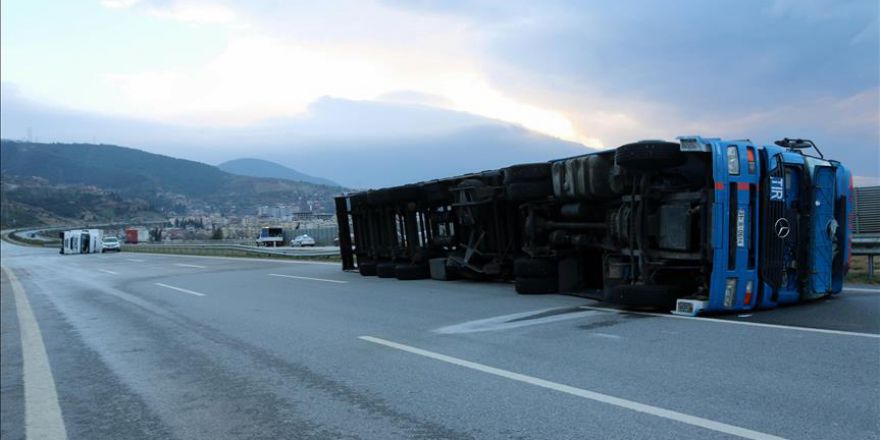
column 406, row 193
column 411, row 271
column 642, row 295
column 534, row 286
column 437, row 192
column 385, row 270
column 535, row 268
column 600, row 176
column 527, row 172
column 525, row 191
column 647, row 156
column 367, row 268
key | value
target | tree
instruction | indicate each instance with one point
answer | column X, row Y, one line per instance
column 217, row 234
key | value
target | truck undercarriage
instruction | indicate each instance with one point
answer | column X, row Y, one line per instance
column 626, row 225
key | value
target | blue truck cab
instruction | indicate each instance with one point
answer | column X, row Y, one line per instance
column 780, row 225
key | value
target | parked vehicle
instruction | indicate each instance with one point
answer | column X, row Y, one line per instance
column 136, row 235
column 271, row 237
column 698, row 225
column 111, row 244
column 303, row 241
column 82, row 241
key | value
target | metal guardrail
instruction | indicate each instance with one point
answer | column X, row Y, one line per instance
column 869, row 245
column 323, row 251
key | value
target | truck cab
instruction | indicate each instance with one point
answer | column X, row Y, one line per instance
column 807, row 238
column 780, row 228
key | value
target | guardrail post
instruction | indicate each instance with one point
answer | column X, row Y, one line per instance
column 870, row 267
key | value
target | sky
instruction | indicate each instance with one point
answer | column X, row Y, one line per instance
column 598, row 73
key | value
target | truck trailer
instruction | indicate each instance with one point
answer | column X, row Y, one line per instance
column 700, row 225
column 82, row 241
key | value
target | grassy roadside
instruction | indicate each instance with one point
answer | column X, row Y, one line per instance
column 10, row 237
column 858, row 271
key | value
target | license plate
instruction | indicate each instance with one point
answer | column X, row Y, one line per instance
column 741, row 228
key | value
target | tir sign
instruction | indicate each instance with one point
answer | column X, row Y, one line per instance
column 777, row 189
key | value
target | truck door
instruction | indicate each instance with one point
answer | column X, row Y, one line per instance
column 822, row 231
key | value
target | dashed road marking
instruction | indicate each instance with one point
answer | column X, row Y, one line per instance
column 179, row 289
column 860, row 290
column 307, row 278
column 108, row 271
column 189, row 265
column 580, row 392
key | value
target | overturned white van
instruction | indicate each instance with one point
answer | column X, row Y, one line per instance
column 82, row 241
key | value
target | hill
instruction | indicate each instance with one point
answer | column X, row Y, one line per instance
column 358, row 144
column 264, row 168
column 108, row 182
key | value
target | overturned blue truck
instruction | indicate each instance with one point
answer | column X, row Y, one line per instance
column 700, row 225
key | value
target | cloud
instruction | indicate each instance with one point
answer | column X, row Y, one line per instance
column 601, row 73
column 119, row 4
column 195, row 12
column 416, row 98
column 180, row 10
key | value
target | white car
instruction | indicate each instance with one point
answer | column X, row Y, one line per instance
column 302, row 240
column 110, row 244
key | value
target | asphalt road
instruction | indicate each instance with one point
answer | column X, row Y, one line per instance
column 159, row 346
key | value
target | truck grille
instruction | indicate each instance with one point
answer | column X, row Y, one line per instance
column 772, row 246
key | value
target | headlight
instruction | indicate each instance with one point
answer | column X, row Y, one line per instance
column 730, row 293
column 732, row 160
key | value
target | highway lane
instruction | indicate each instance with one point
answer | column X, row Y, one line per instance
column 160, row 346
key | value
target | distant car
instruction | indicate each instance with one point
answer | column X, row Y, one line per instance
column 111, row 244
column 303, row 240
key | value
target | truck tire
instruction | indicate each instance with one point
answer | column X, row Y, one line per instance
column 525, row 191
column 647, row 156
column 367, row 268
column 535, row 268
column 527, row 172
column 406, row 193
column 411, row 271
column 599, row 177
column 437, row 192
column 536, row 286
column 642, row 295
column 385, row 270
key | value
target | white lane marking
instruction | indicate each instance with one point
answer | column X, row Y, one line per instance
column 108, row 271
column 180, row 289
column 515, row 320
column 749, row 323
column 580, row 392
column 307, row 278
column 42, row 412
column 860, row 290
column 254, row 260
column 606, row 335
column 134, row 260
column 189, row 265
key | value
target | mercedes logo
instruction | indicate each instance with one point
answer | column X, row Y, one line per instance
column 782, row 227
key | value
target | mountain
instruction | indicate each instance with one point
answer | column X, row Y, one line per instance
column 103, row 181
column 359, row 144
column 265, row 168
